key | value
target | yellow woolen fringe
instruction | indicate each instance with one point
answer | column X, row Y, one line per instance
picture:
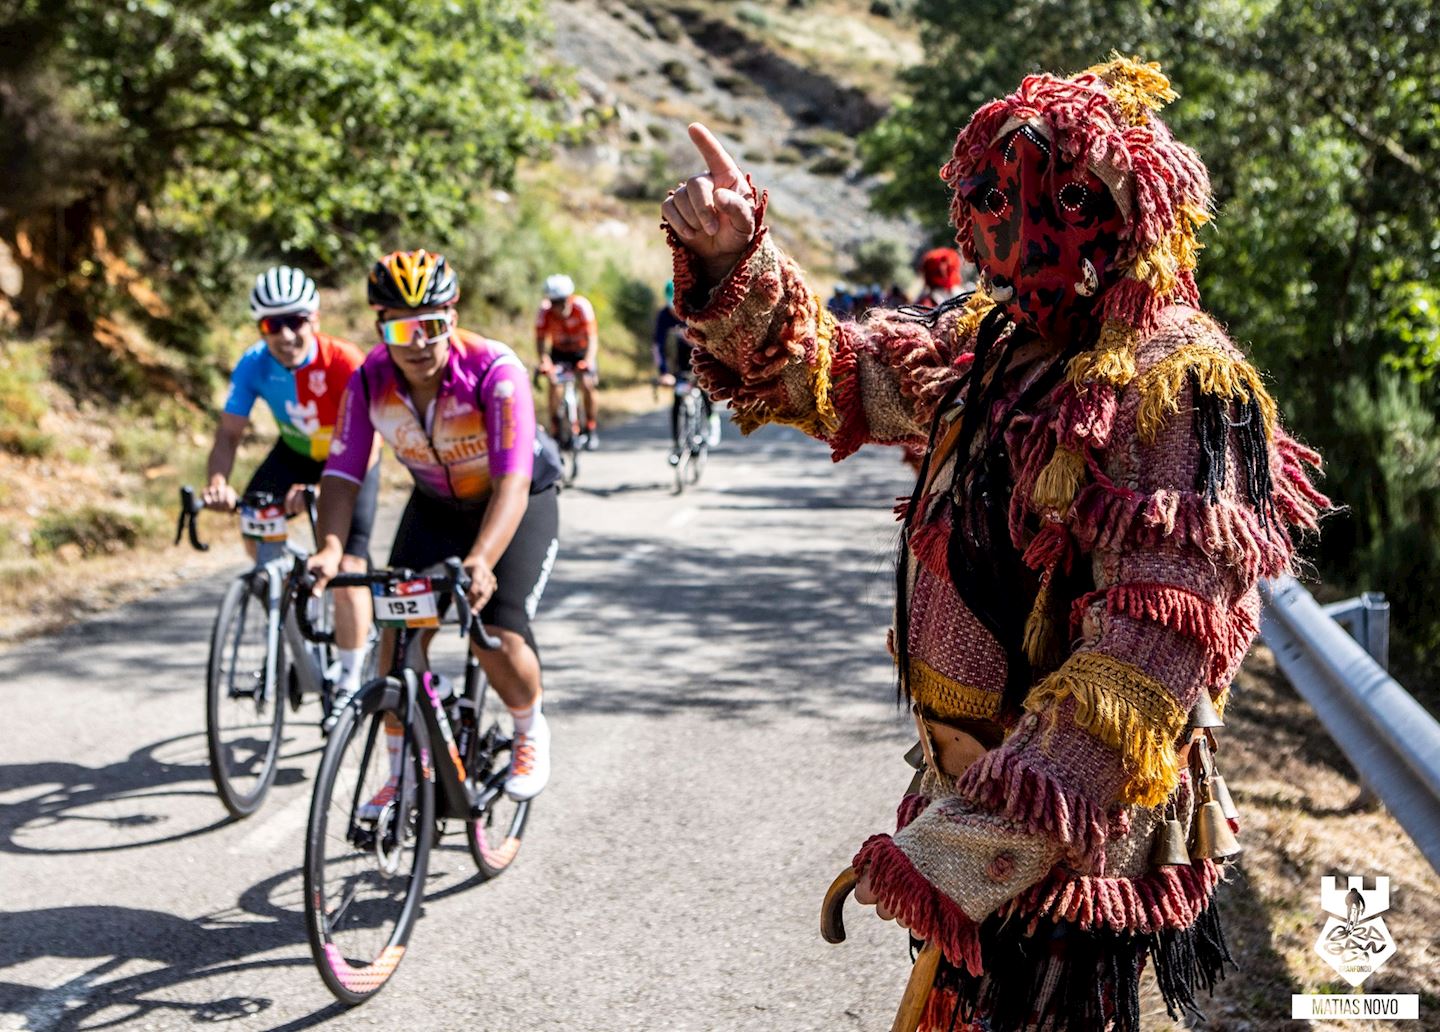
column 1219, row 375
column 1137, row 87
column 1127, row 710
column 1041, row 642
column 1058, row 482
column 972, row 313
column 1112, row 359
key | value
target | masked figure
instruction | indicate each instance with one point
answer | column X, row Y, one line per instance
column 1105, row 481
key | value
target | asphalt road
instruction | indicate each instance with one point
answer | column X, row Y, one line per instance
column 725, row 737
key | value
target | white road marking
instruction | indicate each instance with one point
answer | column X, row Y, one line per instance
column 683, row 517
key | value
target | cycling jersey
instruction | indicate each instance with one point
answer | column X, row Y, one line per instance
column 305, row 400
column 569, row 333
column 481, row 424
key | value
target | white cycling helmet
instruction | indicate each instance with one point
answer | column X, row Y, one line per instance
column 559, row 287
column 281, row 290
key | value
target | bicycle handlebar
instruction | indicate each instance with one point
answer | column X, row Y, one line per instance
column 191, row 506
column 456, row 581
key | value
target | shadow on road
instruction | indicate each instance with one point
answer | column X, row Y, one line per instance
column 80, row 809
column 208, row 951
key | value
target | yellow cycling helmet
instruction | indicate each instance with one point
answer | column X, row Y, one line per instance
column 412, row 279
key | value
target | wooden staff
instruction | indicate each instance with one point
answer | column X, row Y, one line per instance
column 922, row 975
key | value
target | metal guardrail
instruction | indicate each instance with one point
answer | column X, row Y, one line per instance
column 1390, row 740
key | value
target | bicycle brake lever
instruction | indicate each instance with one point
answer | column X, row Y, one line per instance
column 459, row 585
column 190, row 507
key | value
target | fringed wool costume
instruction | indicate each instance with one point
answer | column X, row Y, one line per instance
column 1105, row 482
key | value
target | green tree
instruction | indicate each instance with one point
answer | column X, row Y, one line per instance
column 213, row 130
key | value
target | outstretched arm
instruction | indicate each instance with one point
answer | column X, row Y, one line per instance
column 766, row 343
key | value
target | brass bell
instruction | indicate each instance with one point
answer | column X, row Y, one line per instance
column 1222, row 796
column 1204, row 714
column 1213, row 838
column 1169, row 848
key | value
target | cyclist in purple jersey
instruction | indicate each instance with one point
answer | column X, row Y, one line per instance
column 457, row 410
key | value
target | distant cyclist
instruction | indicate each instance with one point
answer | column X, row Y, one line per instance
column 566, row 336
column 940, row 271
column 301, row 374
column 672, row 362
column 457, row 410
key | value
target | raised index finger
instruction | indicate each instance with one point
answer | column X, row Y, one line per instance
column 722, row 167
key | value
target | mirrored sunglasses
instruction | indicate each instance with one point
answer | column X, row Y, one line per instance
column 417, row 331
column 291, row 321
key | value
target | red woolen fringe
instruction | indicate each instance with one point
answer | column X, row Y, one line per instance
column 1165, row 897
column 930, row 545
column 928, row 913
column 911, row 806
column 853, row 431
column 1002, row 782
column 1105, row 515
column 1295, row 495
column 1052, row 548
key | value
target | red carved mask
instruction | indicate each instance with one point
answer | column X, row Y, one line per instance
column 1046, row 230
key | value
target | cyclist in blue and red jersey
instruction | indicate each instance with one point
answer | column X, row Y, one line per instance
column 456, row 409
column 301, row 374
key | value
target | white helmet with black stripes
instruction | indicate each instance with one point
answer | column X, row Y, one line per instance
column 281, row 290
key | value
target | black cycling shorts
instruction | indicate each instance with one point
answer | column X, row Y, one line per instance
column 571, row 359
column 285, row 466
column 432, row 530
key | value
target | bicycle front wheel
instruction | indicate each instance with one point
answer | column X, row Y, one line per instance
column 494, row 837
column 368, row 845
column 244, row 716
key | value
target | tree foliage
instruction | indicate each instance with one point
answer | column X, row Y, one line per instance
column 1320, row 122
column 196, row 133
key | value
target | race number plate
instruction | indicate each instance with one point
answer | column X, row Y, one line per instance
column 267, row 524
column 409, row 604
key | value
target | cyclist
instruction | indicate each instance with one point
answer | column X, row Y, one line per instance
column 457, row 410
column 940, row 269
column 672, row 361
column 301, row 374
column 566, row 335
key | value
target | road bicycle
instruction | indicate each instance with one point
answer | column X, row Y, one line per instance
column 247, row 677
column 367, row 848
column 692, row 441
column 568, row 436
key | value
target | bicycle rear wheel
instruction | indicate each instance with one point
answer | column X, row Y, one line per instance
column 494, row 837
column 243, row 717
column 367, row 849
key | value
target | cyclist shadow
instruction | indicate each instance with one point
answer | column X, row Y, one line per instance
column 206, row 949
column 224, row 950
column 130, row 804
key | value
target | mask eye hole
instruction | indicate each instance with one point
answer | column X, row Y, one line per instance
column 1075, row 198
column 995, row 202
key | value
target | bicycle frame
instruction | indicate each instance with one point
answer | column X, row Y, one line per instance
column 273, row 560
column 412, row 686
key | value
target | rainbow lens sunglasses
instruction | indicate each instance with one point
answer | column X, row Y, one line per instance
column 292, row 321
column 417, row 330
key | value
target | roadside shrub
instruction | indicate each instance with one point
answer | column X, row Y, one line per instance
column 23, row 371
column 92, row 529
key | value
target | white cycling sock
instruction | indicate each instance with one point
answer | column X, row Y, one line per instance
column 525, row 718
column 350, row 664
column 395, row 745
